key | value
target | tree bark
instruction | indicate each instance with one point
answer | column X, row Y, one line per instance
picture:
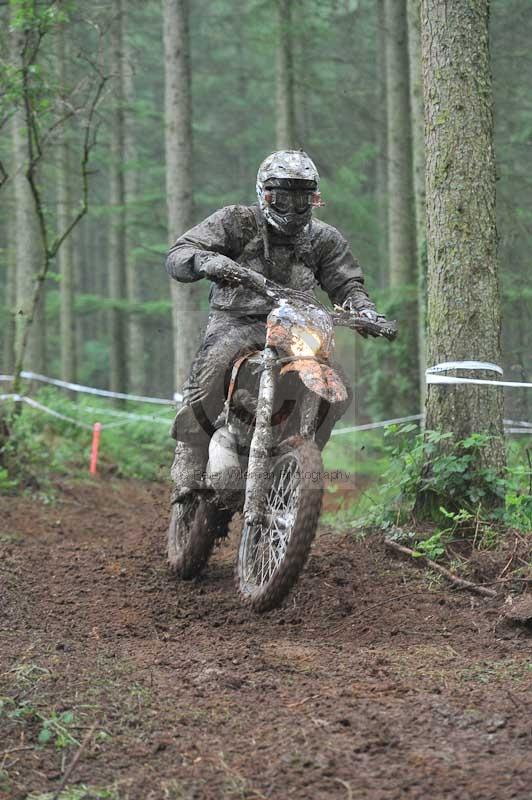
column 418, row 153
column 117, row 239
column 65, row 255
column 179, row 197
column 401, row 219
column 11, row 283
column 463, row 288
column 382, row 148
column 136, row 333
column 29, row 244
column 285, row 107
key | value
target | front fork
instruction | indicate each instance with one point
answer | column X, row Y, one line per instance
column 259, row 463
column 310, row 406
column 257, row 483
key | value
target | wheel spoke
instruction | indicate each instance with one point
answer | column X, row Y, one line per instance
column 266, row 546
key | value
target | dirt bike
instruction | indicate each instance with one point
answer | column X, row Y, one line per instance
column 263, row 458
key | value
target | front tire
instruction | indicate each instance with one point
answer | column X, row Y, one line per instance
column 195, row 524
column 273, row 553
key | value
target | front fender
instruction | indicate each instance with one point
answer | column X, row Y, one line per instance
column 318, row 378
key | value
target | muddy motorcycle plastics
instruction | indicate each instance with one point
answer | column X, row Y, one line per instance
column 263, row 458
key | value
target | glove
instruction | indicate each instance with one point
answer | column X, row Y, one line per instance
column 213, row 267
column 369, row 313
column 355, row 305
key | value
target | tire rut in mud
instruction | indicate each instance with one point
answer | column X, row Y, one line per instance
column 367, row 683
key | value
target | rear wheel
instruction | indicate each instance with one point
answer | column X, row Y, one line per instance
column 195, row 524
column 273, row 553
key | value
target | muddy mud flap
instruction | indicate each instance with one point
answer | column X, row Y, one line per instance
column 319, row 378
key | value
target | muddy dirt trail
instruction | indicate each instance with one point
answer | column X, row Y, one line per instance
column 372, row 682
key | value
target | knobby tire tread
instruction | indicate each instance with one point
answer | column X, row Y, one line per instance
column 304, row 531
column 208, row 524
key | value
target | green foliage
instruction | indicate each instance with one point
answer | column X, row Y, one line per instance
column 79, row 792
column 358, row 453
column 6, row 484
column 433, row 547
column 90, row 303
column 390, row 374
column 54, row 728
column 42, row 448
column 458, row 476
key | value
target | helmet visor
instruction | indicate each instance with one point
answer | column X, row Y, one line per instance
column 285, row 201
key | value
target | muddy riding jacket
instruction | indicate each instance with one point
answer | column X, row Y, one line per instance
column 318, row 256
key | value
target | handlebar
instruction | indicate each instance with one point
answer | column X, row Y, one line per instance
column 242, row 276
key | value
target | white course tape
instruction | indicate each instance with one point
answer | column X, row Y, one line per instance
column 486, row 366
column 77, row 387
column 157, row 420
column 46, row 410
column 127, row 416
column 432, row 374
column 524, row 427
column 478, row 381
column 371, row 425
column 17, row 398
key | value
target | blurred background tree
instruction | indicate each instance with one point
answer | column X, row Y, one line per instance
column 333, row 72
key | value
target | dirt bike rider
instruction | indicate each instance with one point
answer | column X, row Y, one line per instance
column 279, row 238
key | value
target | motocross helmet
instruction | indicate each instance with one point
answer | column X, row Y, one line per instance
column 287, row 190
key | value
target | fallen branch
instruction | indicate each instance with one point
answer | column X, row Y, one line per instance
column 461, row 582
column 508, row 565
column 73, row 764
column 15, row 750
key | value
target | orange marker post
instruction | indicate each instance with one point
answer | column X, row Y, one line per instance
column 96, row 430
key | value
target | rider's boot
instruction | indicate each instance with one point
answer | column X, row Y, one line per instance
column 188, row 470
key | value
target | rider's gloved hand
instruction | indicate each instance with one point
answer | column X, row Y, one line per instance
column 214, row 267
column 357, row 305
column 369, row 313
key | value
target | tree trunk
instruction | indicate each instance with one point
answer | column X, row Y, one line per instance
column 382, row 148
column 418, row 152
column 401, row 211
column 241, row 47
column 117, row 239
column 463, row 289
column 11, row 283
column 285, row 121
column 29, row 244
column 401, row 219
column 65, row 255
column 136, row 333
column 179, row 198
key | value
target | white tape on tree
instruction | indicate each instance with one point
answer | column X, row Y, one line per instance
column 432, row 374
column 486, row 366
column 478, row 381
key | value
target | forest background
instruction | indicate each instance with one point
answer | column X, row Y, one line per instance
column 338, row 78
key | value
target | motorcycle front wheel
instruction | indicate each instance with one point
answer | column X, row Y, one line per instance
column 273, row 553
column 195, row 524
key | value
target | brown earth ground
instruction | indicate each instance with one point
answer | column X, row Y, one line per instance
column 373, row 681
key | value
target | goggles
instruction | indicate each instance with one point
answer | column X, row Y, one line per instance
column 292, row 200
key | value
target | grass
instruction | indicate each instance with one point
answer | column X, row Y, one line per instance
column 360, row 453
column 42, row 448
column 80, row 792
